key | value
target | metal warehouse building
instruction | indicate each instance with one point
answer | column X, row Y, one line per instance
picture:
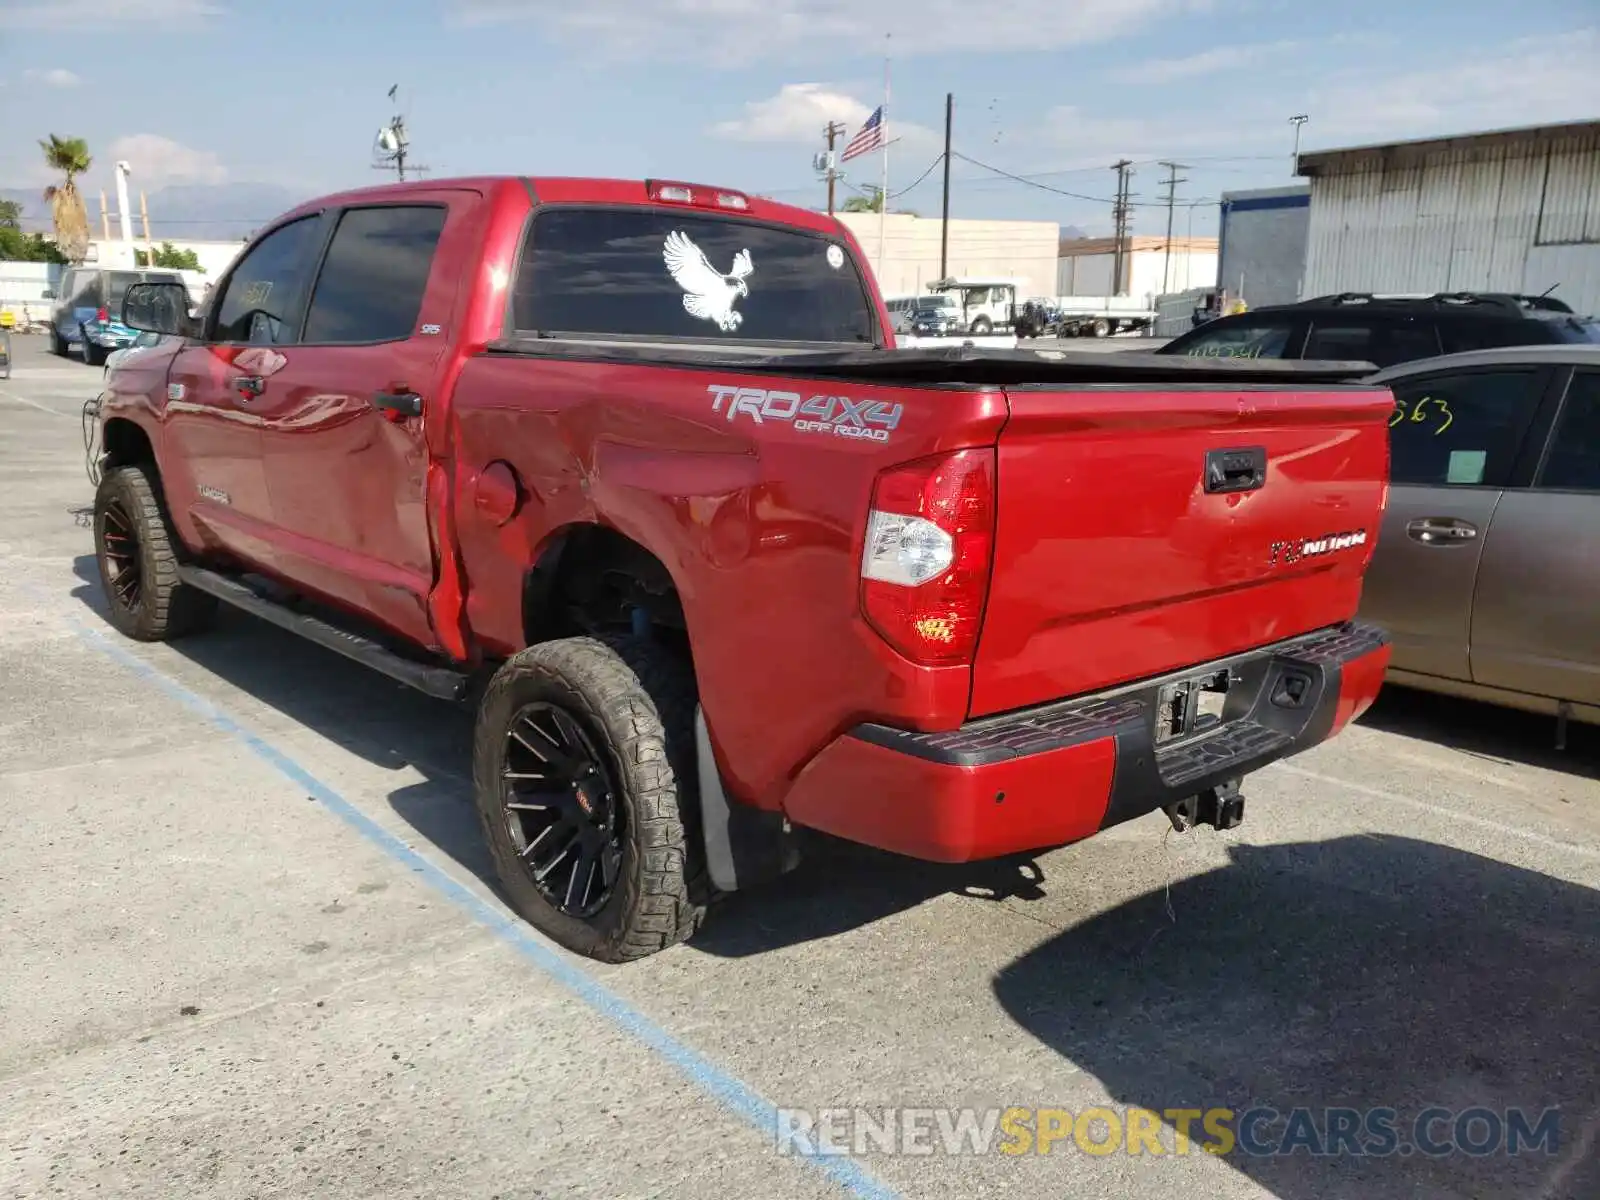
column 1517, row 210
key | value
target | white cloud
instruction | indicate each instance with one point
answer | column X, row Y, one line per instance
column 1529, row 81
column 796, row 114
column 155, row 160
column 89, row 15
column 729, row 33
column 1207, row 62
column 58, row 77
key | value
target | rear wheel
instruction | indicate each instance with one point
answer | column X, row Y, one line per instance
column 93, row 355
column 1101, row 328
column 583, row 765
column 138, row 566
column 58, row 344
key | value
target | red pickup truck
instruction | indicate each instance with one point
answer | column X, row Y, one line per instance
column 636, row 466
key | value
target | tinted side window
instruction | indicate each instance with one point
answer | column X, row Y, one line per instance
column 1464, row 429
column 646, row 272
column 372, row 280
column 261, row 301
column 1255, row 338
column 1381, row 342
column 1574, row 461
column 1485, row 333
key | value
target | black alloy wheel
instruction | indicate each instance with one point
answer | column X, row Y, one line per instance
column 119, row 538
column 562, row 809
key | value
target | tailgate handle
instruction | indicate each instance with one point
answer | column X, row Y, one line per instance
column 1239, row 470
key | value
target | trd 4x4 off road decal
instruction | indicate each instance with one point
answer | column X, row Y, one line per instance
column 708, row 293
column 864, row 420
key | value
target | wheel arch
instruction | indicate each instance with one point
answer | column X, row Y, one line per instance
column 590, row 577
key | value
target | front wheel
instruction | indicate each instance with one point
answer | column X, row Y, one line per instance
column 981, row 327
column 138, row 565
column 583, row 769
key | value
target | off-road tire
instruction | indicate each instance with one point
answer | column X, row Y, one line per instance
column 166, row 607
column 636, row 702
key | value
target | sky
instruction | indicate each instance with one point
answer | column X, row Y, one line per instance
column 224, row 93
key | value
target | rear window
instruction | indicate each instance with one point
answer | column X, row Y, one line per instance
column 647, row 273
column 1576, row 329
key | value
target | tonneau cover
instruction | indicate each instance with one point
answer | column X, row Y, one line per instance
column 960, row 364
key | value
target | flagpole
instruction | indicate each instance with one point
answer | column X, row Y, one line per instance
column 883, row 195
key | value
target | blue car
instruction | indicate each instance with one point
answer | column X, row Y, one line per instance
column 87, row 312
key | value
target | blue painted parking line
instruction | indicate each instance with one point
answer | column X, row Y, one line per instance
column 730, row 1091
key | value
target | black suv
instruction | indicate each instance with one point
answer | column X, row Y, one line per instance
column 1384, row 330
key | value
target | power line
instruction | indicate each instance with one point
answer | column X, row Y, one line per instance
column 920, row 178
column 1033, row 182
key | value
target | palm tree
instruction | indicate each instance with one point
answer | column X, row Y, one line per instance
column 864, row 204
column 70, row 156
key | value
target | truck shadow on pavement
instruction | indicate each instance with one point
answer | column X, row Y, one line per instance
column 1358, row 973
column 397, row 729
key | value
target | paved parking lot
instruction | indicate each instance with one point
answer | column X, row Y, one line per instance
column 247, row 949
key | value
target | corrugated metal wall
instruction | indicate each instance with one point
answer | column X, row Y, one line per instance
column 1509, row 218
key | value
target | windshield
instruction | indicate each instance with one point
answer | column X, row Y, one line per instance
column 934, row 304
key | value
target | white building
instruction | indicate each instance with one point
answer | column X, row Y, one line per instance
column 1516, row 210
column 1087, row 266
column 1024, row 250
column 215, row 257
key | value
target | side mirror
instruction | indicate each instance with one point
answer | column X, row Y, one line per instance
column 49, row 294
column 157, row 308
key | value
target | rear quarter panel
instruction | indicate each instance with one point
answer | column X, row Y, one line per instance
column 760, row 525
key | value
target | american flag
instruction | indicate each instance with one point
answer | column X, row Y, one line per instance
column 869, row 139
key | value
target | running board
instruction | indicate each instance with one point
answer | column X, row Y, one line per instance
column 442, row 682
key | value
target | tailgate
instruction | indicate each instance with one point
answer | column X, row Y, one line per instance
column 1137, row 535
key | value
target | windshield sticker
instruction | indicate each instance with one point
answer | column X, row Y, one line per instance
column 835, row 257
column 708, row 293
column 254, row 295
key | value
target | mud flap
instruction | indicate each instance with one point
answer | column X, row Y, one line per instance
column 744, row 845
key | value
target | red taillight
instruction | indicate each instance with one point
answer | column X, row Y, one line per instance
column 672, row 192
column 925, row 566
column 102, row 315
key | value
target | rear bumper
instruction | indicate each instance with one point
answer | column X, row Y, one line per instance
column 1061, row 772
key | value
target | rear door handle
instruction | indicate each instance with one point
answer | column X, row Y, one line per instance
column 1441, row 531
column 249, row 386
column 398, row 404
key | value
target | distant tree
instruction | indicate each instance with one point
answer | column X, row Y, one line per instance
column 16, row 246
column 171, row 258
column 10, row 214
column 70, row 156
column 872, row 204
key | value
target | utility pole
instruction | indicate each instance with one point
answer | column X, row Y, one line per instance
column 1119, row 218
column 1171, row 182
column 828, row 164
column 392, row 147
column 944, row 226
column 1297, row 120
